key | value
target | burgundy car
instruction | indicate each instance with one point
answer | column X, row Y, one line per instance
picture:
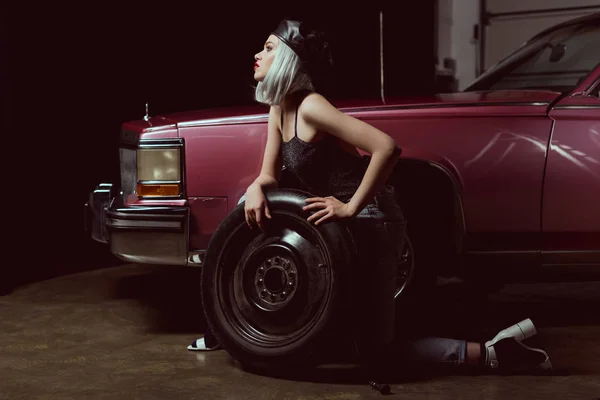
column 500, row 182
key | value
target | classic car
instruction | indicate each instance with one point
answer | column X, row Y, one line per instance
column 499, row 183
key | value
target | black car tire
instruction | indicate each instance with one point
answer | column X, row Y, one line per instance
column 300, row 305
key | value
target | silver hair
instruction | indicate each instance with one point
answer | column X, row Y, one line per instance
column 285, row 76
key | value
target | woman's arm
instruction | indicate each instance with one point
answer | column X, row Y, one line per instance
column 271, row 165
column 319, row 113
column 256, row 203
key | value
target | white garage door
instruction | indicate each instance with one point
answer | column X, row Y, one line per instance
column 512, row 22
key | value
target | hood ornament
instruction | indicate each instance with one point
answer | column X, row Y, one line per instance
column 146, row 117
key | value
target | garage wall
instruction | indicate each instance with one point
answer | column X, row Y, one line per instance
column 456, row 40
column 512, row 22
column 464, row 42
column 509, row 24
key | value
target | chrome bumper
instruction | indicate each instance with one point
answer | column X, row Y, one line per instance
column 139, row 234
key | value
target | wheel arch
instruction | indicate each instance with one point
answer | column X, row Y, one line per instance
column 424, row 182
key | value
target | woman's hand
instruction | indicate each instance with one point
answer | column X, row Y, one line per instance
column 255, row 205
column 331, row 208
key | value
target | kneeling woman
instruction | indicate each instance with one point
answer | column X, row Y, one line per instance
column 317, row 144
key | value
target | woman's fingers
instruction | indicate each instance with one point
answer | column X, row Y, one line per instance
column 315, row 205
column 324, row 218
column 254, row 216
column 315, row 199
column 318, row 214
column 249, row 219
column 258, row 218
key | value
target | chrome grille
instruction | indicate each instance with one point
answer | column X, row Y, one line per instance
column 128, row 161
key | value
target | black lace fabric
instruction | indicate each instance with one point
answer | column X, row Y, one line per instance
column 323, row 168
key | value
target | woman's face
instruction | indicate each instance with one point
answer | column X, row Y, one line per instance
column 264, row 59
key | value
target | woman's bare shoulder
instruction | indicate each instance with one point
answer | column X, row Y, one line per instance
column 314, row 99
column 315, row 105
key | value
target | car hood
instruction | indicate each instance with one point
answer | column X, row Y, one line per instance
column 258, row 112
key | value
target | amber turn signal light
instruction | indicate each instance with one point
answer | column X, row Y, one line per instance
column 148, row 190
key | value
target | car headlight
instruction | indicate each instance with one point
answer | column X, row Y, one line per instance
column 159, row 170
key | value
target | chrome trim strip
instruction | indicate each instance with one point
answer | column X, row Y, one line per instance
column 162, row 219
column 158, row 146
column 163, row 198
column 459, row 105
column 160, row 182
column 581, row 9
column 578, row 107
column 135, row 224
column 127, row 172
column 103, row 187
column 258, row 118
column 160, row 128
column 95, row 211
column 140, row 212
column 168, row 203
column 503, row 252
column 225, row 120
column 163, row 143
column 129, row 216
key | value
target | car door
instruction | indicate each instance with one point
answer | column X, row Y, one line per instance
column 571, row 195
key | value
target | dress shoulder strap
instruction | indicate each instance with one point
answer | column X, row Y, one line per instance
column 296, row 121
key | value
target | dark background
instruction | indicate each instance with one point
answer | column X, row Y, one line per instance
column 71, row 75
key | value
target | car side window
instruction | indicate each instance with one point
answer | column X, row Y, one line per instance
column 569, row 56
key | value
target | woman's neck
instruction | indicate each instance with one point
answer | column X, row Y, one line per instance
column 293, row 99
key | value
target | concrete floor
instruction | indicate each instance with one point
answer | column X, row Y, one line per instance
column 121, row 333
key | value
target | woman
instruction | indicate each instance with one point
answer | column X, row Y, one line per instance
column 317, row 145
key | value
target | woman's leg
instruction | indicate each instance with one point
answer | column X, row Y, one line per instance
column 507, row 351
column 379, row 232
column 374, row 277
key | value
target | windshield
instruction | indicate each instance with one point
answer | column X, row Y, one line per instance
column 556, row 61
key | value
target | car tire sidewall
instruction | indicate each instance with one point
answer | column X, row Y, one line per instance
column 339, row 250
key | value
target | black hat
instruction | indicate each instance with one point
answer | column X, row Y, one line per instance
column 310, row 46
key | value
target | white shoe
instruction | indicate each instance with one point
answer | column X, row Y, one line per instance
column 200, row 345
column 514, row 353
column 520, row 331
